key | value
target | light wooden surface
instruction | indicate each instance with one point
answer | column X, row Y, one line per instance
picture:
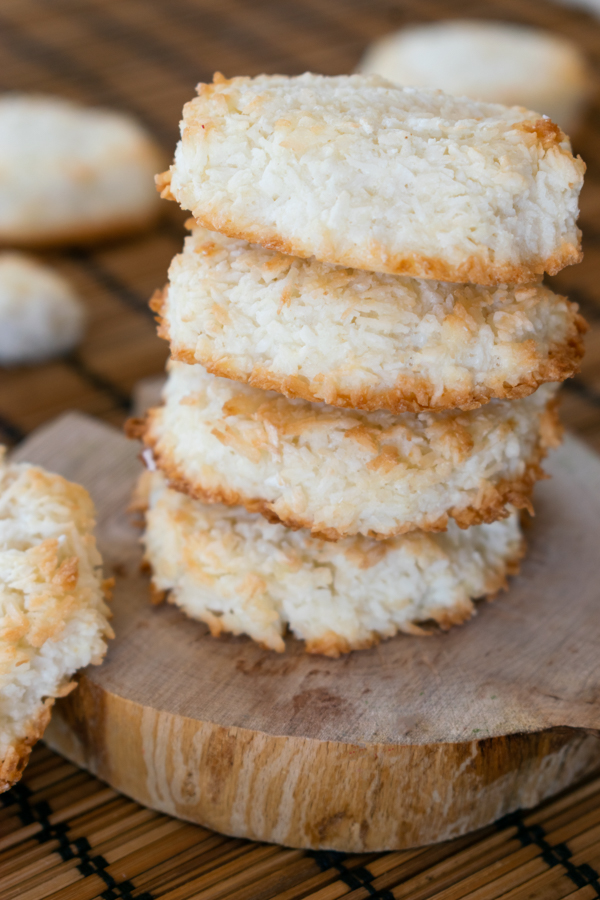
column 416, row 740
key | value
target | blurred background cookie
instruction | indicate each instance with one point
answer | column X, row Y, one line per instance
column 40, row 316
column 71, row 174
column 493, row 61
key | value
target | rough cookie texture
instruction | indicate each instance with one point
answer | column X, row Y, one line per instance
column 341, row 472
column 53, row 615
column 356, row 171
column 71, row 174
column 357, row 339
column 237, row 572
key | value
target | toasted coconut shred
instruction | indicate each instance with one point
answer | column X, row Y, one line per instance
column 361, row 340
column 340, row 472
column 356, row 171
column 364, row 361
column 53, row 614
column 239, row 573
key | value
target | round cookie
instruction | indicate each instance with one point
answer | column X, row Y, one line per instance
column 71, row 174
column 40, row 316
column 358, row 172
column 53, row 615
column 358, row 339
column 239, row 573
column 497, row 62
column 345, row 472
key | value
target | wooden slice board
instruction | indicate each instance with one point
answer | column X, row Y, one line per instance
column 414, row 741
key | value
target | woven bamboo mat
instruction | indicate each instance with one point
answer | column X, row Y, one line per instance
column 66, row 836
column 63, row 834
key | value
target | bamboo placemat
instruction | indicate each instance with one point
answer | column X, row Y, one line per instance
column 67, row 836
column 63, row 834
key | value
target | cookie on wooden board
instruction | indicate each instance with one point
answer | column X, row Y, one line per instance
column 53, row 615
column 239, row 573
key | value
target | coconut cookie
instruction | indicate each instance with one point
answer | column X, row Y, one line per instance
column 70, row 174
column 40, row 315
column 358, row 172
column 358, row 339
column 341, row 473
column 53, row 615
column 498, row 62
column 238, row 573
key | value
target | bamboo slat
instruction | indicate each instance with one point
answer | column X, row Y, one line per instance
column 186, row 861
column 63, row 834
column 100, row 842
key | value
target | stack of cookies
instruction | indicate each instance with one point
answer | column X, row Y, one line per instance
column 364, row 361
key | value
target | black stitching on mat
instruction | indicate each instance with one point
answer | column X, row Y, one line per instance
column 315, row 19
column 79, row 848
column 34, row 50
column 173, row 230
column 49, row 832
column 145, row 45
column 360, row 877
column 97, row 865
column 224, row 29
column 19, row 794
column 119, row 397
column 58, row 61
column 40, row 813
column 553, row 855
column 111, row 282
column 13, row 433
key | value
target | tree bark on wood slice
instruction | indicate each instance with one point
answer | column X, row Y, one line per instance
column 416, row 740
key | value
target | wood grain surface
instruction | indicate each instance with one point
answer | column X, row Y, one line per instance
column 65, row 835
column 416, row 740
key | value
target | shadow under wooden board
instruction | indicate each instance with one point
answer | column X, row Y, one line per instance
column 414, row 741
